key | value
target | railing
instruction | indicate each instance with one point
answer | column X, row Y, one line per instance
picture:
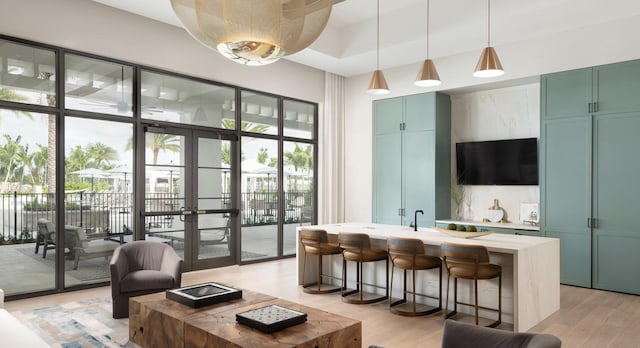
column 112, row 212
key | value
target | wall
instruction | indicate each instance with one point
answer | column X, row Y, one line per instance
column 505, row 113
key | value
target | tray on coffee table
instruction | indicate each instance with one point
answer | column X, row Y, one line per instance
column 206, row 294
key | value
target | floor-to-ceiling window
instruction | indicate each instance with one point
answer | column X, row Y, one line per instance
column 27, row 167
column 96, row 152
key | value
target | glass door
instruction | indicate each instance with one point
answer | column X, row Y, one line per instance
column 188, row 200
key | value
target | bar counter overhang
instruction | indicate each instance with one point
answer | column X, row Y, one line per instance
column 530, row 268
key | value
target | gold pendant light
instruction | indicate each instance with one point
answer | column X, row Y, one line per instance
column 378, row 84
column 428, row 75
column 254, row 32
column 489, row 64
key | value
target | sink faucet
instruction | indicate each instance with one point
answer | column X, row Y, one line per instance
column 415, row 219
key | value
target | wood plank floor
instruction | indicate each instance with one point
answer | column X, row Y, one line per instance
column 587, row 318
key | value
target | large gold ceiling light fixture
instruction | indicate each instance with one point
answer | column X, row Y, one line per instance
column 254, row 32
column 378, row 84
column 489, row 64
column 428, row 75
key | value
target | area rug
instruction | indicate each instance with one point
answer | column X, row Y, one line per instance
column 86, row 323
column 96, row 268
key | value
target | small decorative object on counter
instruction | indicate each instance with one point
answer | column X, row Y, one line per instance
column 529, row 213
column 495, row 213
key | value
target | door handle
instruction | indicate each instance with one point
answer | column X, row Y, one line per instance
column 183, row 213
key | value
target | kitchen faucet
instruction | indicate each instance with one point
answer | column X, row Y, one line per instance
column 415, row 219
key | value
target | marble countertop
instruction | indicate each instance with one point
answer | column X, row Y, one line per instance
column 492, row 224
column 496, row 242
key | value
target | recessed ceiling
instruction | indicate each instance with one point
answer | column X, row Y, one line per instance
column 348, row 45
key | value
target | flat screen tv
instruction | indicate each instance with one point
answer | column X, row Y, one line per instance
column 498, row 162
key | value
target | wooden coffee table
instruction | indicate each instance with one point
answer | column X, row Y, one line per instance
column 155, row 321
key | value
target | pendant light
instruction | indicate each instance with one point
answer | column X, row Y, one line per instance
column 254, row 32
column 489, row 64
column 428, row 75
column 378, row 84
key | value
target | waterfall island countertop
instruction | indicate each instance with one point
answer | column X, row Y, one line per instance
column 531, row 267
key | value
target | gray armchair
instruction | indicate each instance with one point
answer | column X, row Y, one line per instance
column 140, row 268
column 462, row 335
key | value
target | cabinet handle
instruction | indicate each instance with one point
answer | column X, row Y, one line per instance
column 589, row 222
column 595, row 107
column 594, row 223
column 590, row 107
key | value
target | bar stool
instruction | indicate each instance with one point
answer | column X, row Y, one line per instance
column 470, row 262
column 316, row 242
column 409, row 254
column 356, row 247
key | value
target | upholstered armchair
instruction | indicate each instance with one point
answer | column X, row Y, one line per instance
column 462, row 335
column 140, row 268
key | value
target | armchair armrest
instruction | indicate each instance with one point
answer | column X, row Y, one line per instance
column 172, row 264
column 118, row 268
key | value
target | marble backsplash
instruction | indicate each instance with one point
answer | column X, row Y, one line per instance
column 505, row 113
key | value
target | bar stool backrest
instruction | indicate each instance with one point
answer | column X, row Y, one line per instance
column 405, row 251
column 348, row 240
column 405, row 246
column 312, row 239
column 463, row 255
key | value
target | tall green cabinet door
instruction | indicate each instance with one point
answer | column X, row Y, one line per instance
column 566, row 94
column 387, row 161
column 566, row 194
column 616, row 193
column 618, row 87
column 419, row 177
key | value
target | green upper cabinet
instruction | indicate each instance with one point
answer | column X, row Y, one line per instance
column 415, row 108
column 388, row 115
column 411, row 159
column 618, row 87
column 604, row 89
column 566, row 94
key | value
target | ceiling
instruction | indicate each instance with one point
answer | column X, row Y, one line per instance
column 348, row 44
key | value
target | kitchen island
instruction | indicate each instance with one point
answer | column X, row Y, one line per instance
column 530, row 267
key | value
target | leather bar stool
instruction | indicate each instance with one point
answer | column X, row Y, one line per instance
column 470, row 262
column 409, row 254
column 316, row 242
column 356, row 247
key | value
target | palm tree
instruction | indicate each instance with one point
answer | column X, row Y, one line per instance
column 78, row 159
column 299, row 159
column 263, row 155
column 9, row 153
column 162, row 142
column 38, row 165
column 245, row 126
column 101, row 154
column 159, row 142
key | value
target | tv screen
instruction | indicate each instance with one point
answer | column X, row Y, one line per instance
column 498, row 162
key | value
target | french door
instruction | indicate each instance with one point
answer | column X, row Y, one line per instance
column 188, row 201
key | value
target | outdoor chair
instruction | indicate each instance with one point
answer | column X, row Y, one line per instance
column 88, row 248
column 46, row 236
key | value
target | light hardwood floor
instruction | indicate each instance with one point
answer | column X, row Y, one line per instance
column 587, row 318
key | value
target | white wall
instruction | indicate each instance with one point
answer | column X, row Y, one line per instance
column 601, row 43
column 91, row 27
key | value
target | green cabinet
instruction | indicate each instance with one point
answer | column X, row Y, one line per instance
column 590, row 120
column 411, row 159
